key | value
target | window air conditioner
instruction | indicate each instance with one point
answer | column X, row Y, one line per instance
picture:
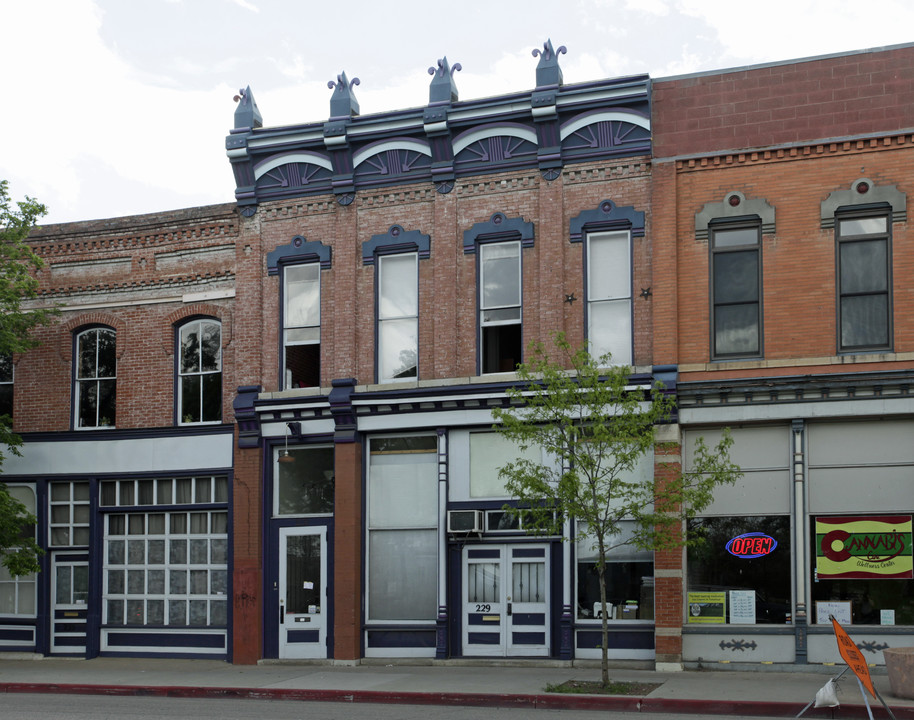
column 465, row 521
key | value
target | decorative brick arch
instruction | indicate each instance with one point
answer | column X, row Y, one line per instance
column 67, row 329
column 176, row 318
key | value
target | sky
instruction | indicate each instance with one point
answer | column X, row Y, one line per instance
column 121, row 107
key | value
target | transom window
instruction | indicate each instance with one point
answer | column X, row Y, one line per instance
column 301, row 325
column 609, row 295
column 398, row 317
column 500, row 306
column 96, row 378
column 864, row 282
column 736, row 290
column 69, row 508
column 6, row 385
column 200, row 372
column 304, row 481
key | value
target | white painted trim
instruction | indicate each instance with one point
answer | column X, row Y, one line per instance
column 501, row 130
column 302, row 157
column 581, row 122
column 362, row 155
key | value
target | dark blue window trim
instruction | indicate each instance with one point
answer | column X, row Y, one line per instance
column 497, row 229
column 607, row 216
column 396, row 240
column 299, row 250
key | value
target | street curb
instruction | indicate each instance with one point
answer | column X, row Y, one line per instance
column 558, row 701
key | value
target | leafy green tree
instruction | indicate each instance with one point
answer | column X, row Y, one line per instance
column 18, row 265
column 595, row 429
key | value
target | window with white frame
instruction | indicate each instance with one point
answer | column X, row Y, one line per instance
column 200, row 372
column 489, row 452
column 96, row 378
column 18, row 594
column 6, row 385
column 609, row 295
column 301, row 335
column 403, row 529
column 500, row 307
column 69, row 513
column 168, row 566
column 398, row 317
column 864, row 282
column 736, row 267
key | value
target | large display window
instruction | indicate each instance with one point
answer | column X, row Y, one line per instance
column 740, row 573
column 862, row 571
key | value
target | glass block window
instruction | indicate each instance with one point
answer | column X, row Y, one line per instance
column 166, row 568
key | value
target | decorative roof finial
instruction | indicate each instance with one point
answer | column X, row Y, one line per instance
column 443, row 89
column 343, row 102
column 548, row 72
column 247, row 114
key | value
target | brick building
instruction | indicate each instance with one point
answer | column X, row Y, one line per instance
column 274, row 434
column 781, row 258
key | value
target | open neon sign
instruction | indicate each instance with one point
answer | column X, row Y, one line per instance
column 751, row 545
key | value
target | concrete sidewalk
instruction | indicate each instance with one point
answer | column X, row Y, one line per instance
column 755, row 690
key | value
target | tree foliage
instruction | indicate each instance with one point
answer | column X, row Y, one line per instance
column 595, row 428
column 18, row 265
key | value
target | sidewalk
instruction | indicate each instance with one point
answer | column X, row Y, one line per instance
column 752, row 691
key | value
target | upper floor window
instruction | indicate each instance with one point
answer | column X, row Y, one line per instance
column 736, row 300
column 500, row 339
column 864, row 282
column 609, row 295
column 398, row 317
column 301, row 366
column 96, row 378
column 6, row 385
column 200, row 372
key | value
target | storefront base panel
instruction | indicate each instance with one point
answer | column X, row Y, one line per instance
column 624, row 644
column 17, row 637
column 733, row 646
column 159, row 643
column 400, row 643
column 823, row 648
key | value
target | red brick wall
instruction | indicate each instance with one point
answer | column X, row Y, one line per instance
column 834, row 97
column 141, row 276
column 447, row 280
column 798, row 259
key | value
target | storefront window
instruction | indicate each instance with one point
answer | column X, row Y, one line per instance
column 629, row 581
column 738, row 586
column 862, row 570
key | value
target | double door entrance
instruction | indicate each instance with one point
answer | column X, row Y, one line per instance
column 506, row 600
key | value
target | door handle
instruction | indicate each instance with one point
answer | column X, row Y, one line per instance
column 509, row 609
column 282, row 614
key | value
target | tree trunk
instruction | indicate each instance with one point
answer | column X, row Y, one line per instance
column 604, row 645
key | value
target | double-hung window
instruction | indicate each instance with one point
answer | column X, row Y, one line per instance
column 609, row 295
column 398, row 317
column 864, row 282
column 500, row 306
column 736, row 298
column 301, row 365
column 96, row 378
column 6, row 385
column 200, row 372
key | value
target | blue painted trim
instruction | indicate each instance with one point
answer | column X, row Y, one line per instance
column 528, row 638
column 483, row 554
column 26, row 635
column 299, row 250
column 151, row 638
column 498, row 228
column 528, row 552
column 607, row 216
column 483, row 638
column 424, row 638
column 640, row 638
column 529, row 619
column 303, row 636
column 395, row 240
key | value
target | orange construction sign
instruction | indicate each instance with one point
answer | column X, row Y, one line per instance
column 855, row 661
